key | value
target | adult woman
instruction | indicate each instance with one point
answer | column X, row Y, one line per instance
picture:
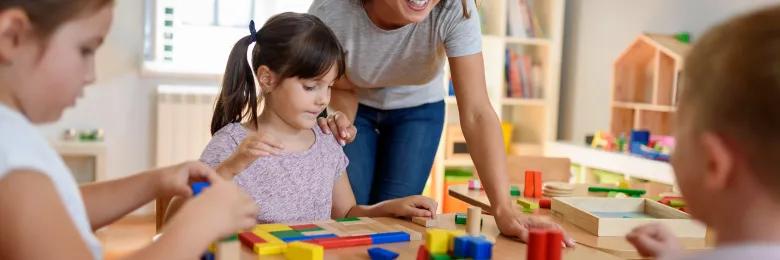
column 394, row 93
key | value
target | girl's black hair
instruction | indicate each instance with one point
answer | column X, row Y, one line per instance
column 291, row 45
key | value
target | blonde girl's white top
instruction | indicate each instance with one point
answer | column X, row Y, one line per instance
column 23, row 147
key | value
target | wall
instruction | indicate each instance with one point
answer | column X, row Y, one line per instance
column 598, row 30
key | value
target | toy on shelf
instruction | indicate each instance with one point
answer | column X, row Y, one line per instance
column 475, row 184
column 641, row 143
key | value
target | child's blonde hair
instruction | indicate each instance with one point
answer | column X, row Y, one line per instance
column 732, row 88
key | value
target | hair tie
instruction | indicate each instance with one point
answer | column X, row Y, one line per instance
column 249, row 49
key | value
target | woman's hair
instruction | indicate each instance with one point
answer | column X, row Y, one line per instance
column 47, row 15
column 290, row 45
column 732, row 87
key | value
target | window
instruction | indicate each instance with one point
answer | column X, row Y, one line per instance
column 195, row 36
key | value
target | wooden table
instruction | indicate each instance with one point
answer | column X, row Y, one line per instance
column 617, row 246
column 504, row 248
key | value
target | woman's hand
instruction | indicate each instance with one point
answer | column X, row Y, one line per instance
column 411, row 206
column 338, row 123
column 513, row 224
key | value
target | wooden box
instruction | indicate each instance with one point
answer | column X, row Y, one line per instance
column 618, row 216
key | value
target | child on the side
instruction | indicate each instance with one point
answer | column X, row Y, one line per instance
column 281, row 157
column 47, row 56
column 728, row 142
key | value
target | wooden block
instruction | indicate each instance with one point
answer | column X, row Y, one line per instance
column 528, row 191
column 316, row 233
column 514, row 190
column 391, row 237
column 537, row 245
column 460, row 219
column 424, row 221
column 377, row 226
column 545, row 203
column 413, row 235
column 451, row 238
column 554, row 244
column 249, row 239
column 473, row 221
column 306, row 227
column 525, row 203
column 271, row 227
column 341, row 242
column 436, row 241
column 349, row 219
column 378, row 253
column 422, row 253
column 267, row 237
column 304, row 251
column 228, row 250
column 537, row 184
column 333, row 228
column 271, row 248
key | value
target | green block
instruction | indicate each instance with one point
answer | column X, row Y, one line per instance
column 310, row 229
column 628, row 192
column 231, row 238
column 440, row 257
column 347, row 219
column 460, row 219
column 287, row 233
column 677, row 203
column 684, row 37
column 514, row 191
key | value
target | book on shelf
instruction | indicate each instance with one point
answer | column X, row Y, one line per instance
column 524, row 78
column 522, row 21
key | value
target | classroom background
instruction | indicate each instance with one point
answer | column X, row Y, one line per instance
column 569, row 79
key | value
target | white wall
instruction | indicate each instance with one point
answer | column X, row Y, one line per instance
column 598, row 30
column 121, row 102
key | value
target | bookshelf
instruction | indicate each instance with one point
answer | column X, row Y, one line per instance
column 534, row 118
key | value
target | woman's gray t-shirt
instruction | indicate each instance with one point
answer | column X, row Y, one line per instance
column 403, row 67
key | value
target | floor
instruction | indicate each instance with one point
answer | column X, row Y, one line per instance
column 126, row 235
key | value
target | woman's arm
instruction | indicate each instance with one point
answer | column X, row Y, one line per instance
column 481, row 128
column 344, row 204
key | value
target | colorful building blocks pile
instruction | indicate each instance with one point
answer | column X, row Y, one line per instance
column 544, row 244
column 454, row 244
column 307, row 241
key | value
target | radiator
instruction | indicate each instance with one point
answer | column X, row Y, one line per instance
column 183, row 122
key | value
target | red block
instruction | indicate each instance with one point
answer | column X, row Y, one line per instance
column 545, row 203
column 305, row 226
column 528, row 191
column 422, row 253
column 249, row 239
column 554, row 244
column 537, row 184
column 537, row 245
column 341, row 242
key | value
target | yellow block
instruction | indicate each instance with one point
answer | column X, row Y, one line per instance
column 271, row 248
column 436, row 240
column 268, row 237
column 304, row 251
column 451, row 238
column 271, row 227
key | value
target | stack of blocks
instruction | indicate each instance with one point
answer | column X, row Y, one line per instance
column 544, row 244
column 308, row 241
column 533, row 184
column 448, row 244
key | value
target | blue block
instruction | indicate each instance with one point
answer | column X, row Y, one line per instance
column 378, row 253
column 461, row 247
column 197, row 187
column 304, row 238
column 320, row 236
column 479, row 248
column 390, row 237
column 207, row 256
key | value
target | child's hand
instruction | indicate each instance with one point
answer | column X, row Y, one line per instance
column 220, row 210
column 412, row 206
column 252, row 147
column 175, row 180
column 653, row 240
column 338, row 123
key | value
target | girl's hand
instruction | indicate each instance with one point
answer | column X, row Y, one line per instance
column 412, row 206
column 175, row 180
column 252, row 147
column 338, row 123
column 653, row 240
column 220, row 210
column 513, row 224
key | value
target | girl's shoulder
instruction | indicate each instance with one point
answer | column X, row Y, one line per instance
column 233, row 132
